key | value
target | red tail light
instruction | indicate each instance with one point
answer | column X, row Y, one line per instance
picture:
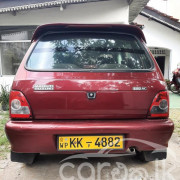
column 18, row 105
column 160, row 106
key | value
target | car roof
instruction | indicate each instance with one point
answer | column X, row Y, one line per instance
column 58, row 27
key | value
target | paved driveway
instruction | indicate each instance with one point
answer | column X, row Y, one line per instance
column 174, row 100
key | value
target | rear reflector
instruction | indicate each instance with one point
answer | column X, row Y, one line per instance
column 160, row 106
column 19, row 107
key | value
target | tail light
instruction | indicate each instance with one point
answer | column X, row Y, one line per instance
column 19, row 107
column 160, row 106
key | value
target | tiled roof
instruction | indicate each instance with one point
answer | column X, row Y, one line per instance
column 161, row 18
column 18, row 5
column 162, row 14
column 6, row 6
column 10, row 3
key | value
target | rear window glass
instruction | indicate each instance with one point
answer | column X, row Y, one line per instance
column 81, row 52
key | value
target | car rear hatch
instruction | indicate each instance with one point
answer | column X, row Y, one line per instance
column 88, row 75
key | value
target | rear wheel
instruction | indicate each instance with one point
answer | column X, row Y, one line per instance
column 147, row 156
column 27, row 158
column 174, row 89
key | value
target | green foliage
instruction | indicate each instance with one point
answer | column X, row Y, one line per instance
column 4, row 97
column 4, row 144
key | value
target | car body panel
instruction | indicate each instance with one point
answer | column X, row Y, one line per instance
column 68, row 99
column 41, row 136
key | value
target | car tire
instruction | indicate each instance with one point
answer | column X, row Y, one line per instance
column 147, row 156
column 27, row 158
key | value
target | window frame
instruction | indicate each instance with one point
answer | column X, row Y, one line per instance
column 92, row 70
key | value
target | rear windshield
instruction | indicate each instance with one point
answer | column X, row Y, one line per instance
column 84, row 52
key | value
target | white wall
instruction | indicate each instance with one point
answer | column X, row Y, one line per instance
column 6, row 81
column 114, row 11
column 158, row 35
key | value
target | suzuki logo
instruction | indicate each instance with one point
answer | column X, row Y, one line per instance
column 91, row 95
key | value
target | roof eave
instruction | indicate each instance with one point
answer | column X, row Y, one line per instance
column 160, row 19
column 43, row 5
column 135, row 7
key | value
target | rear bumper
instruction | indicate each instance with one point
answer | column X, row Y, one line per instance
column 41, row 136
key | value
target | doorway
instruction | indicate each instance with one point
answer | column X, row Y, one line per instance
column 161, row 62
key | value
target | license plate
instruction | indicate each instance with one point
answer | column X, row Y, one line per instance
column 67, row 143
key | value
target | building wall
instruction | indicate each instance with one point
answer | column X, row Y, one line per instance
column 113, row 11
column 160, row 36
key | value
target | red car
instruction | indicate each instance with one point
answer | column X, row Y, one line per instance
column 86, row 88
